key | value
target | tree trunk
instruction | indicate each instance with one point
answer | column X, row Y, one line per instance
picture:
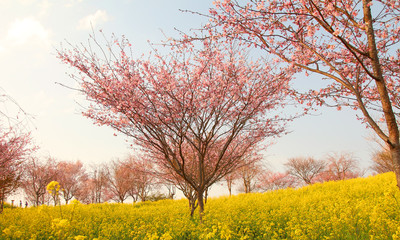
column 395, row 152
column 391, row 123
column 200, row 202
column 192, row 206
column 1, row 203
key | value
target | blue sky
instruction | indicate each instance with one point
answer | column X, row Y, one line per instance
column 31, row 30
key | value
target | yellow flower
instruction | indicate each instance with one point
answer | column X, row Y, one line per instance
column 79, row 237
column 7, row 232
column 53, row 187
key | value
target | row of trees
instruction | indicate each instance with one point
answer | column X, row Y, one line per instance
column 200, row 111
column 116, row 181
column 138, row 179
column 298, row 172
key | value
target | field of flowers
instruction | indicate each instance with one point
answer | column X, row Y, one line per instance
column 365, row 208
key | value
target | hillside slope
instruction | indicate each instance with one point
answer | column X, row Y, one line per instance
column 364, row 208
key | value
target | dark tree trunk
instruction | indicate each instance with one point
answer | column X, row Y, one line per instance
column 200, row 202
column 1, row 203
column 391, row 123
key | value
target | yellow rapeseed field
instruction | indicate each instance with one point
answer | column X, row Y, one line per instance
column 364, row 208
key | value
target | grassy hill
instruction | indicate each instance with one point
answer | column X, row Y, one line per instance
column 364, row 208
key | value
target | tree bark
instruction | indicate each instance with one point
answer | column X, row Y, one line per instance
column 395, row 152
column 391, row 123
column 192, row 206
column 200, row 202
column 1, row 202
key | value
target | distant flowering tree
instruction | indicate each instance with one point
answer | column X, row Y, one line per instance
column 15, row 145
column 340, row 166
column 70, row 176
column 382, row 160
column 250, row 172
column 94, row 186
column 14, row 148
column 208, row 101
column 36, row 175
column 269, row 181
column 230, row 180
column 305, row 169
column 143, row 177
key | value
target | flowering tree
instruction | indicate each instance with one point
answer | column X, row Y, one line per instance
column 250, row 172
column 143, row 178
column 94, row 186
column 269, row 181
column 171, row 188
column 85, row 193
column 15, row 145
column 229, row 180
column 13, row 151
column 305, row 169
column 70, row 176
column 208, row 101
column 383, row 161
column 119, row 177
column 352, row 45
column 340, row 166
column 37, row 175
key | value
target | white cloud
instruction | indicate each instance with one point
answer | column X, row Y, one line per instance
column 25, row 30
column 100, row 16
column 71, row 3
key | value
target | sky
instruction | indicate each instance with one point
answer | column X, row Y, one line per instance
column 32, row 30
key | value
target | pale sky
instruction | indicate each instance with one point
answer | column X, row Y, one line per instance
column 31, row 30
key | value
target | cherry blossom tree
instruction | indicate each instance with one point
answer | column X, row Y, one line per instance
column 171, row 188
column 119, row 177
column 209, row 101
column 15, row 145
column 305, row 169
column 382, row 160
column 70, row 176
column 230, row 180
column 37, row 174
column 351, row 44
column 143, row 177
column 85, row 193
column 94, row 187
column 14, row 148
column 250, row 172
column 270, row 181
column 340, row 166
